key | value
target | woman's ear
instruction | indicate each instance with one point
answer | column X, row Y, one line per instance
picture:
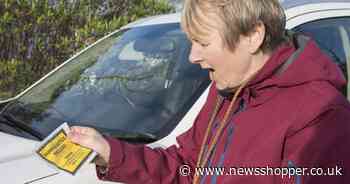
column 256, row 38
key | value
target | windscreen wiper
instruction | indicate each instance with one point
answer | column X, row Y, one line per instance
column 9, row 120
column 129, row 136
column 134, row 137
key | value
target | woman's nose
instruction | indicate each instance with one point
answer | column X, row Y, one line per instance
column 195, row 56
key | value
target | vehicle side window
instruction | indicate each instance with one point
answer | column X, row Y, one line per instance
column 333, row 37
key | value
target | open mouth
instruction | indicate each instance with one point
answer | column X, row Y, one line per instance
column 211, row 73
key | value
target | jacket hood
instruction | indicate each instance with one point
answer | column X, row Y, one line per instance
column 297, row 62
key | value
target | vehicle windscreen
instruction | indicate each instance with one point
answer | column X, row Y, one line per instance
column 136, row 82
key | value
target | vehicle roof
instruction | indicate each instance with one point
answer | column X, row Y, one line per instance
column 293, row 3
column 175, row 17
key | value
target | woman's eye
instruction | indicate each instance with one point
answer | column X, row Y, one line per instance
column 204, row 44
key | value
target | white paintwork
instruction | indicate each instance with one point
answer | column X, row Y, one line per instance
column 300, row 15
column 10, row 144
column 18, row 164
column 185, row 124
column 156, row 20
column 288, row 4
column 346, row 45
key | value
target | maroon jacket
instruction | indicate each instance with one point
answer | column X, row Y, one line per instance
column 292, row 119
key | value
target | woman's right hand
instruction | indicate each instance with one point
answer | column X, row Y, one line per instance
column 92, row 139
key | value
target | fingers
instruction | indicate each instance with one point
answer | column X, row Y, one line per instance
column 86, row 136
column 83, row 130
column 85, row 140
column 78, row 134
column 92, row 139
column 75, row 137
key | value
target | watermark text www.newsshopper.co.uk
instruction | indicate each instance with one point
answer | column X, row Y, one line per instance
column 186, row 170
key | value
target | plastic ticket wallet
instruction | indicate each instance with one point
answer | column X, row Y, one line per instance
column 58, row 150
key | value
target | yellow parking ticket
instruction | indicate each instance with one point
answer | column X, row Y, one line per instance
column 58, row 150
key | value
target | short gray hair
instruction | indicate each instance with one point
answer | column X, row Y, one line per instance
column 237, row 17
